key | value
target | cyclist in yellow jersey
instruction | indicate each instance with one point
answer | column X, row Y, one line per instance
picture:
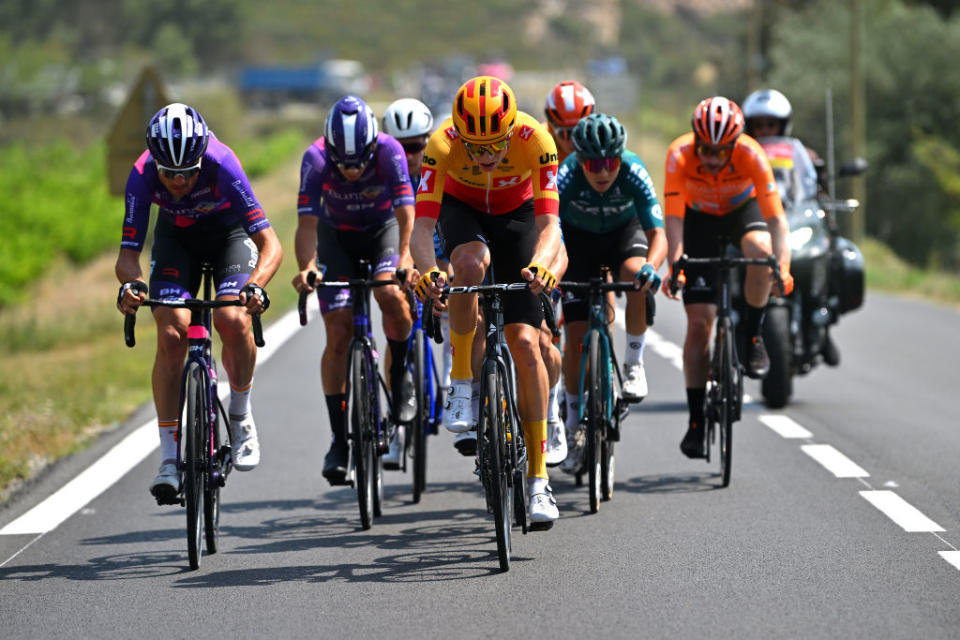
column 489, row 186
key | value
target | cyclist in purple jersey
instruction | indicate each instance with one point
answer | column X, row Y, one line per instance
column 355, row 202
column 207, row 213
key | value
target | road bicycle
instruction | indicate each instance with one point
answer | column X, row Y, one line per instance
column 204, row 455
column 426, row 385
column 368, row 428
column 501, row 454
column 723, row 401
column 602, row 407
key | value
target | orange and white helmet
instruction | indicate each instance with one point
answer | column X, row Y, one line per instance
column 484, row 110
column 717, row 121
column 567, row 103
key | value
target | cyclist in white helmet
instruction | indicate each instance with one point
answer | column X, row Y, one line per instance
column 766, row 113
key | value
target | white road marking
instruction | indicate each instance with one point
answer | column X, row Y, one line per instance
column 665, row 349
column 902, row 512
column 784, row 426
column 835, row 462
column 127, row 454
column 953, row 557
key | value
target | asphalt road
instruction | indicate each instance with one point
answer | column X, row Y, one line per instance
column 849, row 527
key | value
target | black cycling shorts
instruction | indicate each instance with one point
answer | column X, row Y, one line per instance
column 511, row 238
column 339, row 253
column 177, row 253
column 706, row 236
column 587, row 252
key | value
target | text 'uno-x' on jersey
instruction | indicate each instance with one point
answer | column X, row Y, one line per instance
column 528, row 170
column 746, row 175
column 631, row 195
column 222, row 196
column 361, row 204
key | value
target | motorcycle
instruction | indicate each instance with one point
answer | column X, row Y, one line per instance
column 828, row 270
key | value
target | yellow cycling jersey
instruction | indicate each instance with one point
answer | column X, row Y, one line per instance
column 528, row 170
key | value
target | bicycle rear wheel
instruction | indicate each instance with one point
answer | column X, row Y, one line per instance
column 193, row 459
column 211, row 493
column 727, row 392
column 360, row 429
column 418, row 427
column 499, row 496
column 594, row 421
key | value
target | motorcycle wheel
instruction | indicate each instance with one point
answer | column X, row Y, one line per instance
column 777, row 387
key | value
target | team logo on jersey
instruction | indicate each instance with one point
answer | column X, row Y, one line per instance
column 247, row 198
column 373, row 191
column 507, row 181
column 255, row 214
column 451, row 133
column 548, row 178
column 547, row 158
column 303, row 200
column 525, row 132
column 130, row 232
column 426, row 180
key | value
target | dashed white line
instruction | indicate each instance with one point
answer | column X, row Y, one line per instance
column 784, row 426
column 953, row 557
column 902, row 512
column 835, row 462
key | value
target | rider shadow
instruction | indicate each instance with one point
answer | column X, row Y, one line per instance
column 668, row 483
column 658, row 406
column 123, row 566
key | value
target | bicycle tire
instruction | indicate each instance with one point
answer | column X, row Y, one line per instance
column 211, row 494
column 360, row 433
column 594, row 422
column 193, row 460
column 418, row 426
column 498, row 493
column 727, row 393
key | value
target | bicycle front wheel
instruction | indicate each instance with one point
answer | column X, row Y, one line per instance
column 360, row 428
column 418, row 427
column 595, row 421
column 211, row 493
column 727, row 393
column 193, row 459
column 495, row 468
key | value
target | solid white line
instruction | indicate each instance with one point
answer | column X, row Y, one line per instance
column 953, row 557
column 835, row 462
column 902, row 512
column 123, row 457
column 784, row 426
column 665, row 349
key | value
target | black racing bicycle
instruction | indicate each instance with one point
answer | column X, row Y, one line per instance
column 368, row 427
column 204, row 455
column 724, row 394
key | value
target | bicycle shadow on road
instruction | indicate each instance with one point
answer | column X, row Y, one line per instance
column 122, row 566
column 670, row 483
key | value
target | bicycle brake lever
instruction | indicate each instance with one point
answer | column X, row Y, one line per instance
column 548, row 314
column 129, row 334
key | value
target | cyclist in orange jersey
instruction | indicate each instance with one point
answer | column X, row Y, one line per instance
column 489, row 186
column 719, row 184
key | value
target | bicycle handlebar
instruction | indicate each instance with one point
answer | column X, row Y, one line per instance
column 548, row 315
column 598, row 285
column 725, row 262
column 353, row 283
column 130, row 320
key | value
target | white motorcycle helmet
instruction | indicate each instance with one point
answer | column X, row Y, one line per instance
column 768, row 103
column 407, row 118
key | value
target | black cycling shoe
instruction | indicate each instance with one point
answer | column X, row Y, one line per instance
column 758, row 362
column 830, row 353
column 335, row 464
column 692, row 443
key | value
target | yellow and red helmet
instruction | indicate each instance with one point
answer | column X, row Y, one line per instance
column 484, row 110
column 567, row 103
column 717, row 121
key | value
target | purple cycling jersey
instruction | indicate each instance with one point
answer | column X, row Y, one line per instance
column 359, row 205
column 222, row 196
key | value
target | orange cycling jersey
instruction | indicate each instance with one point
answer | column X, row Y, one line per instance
column 528, row 170
column 746, row 175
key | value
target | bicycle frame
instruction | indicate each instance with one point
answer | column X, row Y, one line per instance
column 431, row 375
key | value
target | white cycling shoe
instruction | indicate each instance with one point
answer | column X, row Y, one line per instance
column 391, row 459
column 543, row 508
column 556, row 442
column 634, row 383
column 246, row 445
column 458, row 411
column 166, row 486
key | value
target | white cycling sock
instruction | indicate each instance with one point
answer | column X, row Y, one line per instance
column 240, row 399
column 553, row 406
column 634, row 354
column 168, row 439
column 573, row 410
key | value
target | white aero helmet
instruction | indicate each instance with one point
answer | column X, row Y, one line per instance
column 768, row 103
column 407, row 118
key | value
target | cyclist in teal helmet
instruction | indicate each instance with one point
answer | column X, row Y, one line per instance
column 610, row 217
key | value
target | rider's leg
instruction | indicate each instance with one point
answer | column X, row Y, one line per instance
column 756, row 244
column 696, row 363
column 172, row 344
column 397, row 322
column 470, row 261
column 532, row 391
column 635, row 377
column 571, row 369
column 556, row 432
column 239, row 358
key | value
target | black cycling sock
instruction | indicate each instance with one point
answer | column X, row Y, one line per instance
column 338, row 424
column 753, row 320
column 398, row 356
column 695, row 399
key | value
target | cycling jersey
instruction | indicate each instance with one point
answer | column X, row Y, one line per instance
column 561, row 156
column 356, row 205
column 746, row 175
column 222, row 197
column 631, row 195
column 528, row 170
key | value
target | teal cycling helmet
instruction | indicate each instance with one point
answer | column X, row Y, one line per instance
column 599, row 136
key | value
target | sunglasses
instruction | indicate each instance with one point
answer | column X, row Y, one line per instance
column 492, row 148
column 564, row 133
column 596, row 165
column 719, row 152
column 414, row 146
column 171, row 173
column 350, row 166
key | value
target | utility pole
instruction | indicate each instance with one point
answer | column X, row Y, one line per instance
column 755, row 61
column 858, row 124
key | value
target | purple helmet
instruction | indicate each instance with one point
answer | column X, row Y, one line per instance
column 177, row 136
column 351, row 132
